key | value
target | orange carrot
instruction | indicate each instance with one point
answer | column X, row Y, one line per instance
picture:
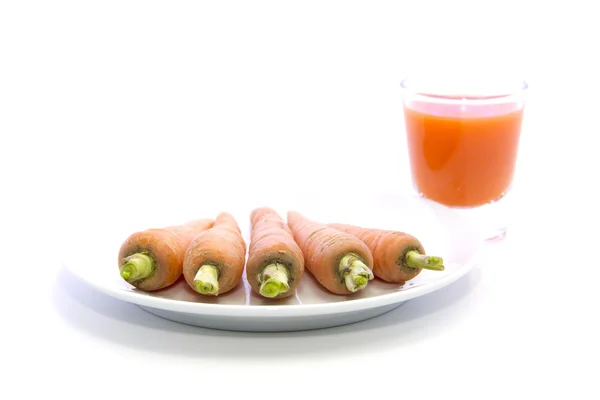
column 275, row 262
column 214, row 260
column 339, row 261
column 153, row 259
column 398, row 256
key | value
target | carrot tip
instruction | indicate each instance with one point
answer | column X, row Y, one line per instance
column 355, row 272
column 137, row 266
column 360, row 280
column 414, row 259
column 274, row 280
column 206, row 280
column 126, row 272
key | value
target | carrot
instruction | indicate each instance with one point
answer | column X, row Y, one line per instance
column 339, row 261
column 153, row 259
column 398, row 256
column 214, row 261
column 275, row 262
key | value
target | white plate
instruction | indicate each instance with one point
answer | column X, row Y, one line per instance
column 442, row 232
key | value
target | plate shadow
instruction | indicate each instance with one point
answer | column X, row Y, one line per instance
column 127, row 325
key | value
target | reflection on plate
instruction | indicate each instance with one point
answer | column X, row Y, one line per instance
column 442, row 232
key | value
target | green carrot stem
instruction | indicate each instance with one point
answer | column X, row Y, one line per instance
column 206, row 280
column 274, row 280
column 355, row 272
column 415, row 259
column 136, row 267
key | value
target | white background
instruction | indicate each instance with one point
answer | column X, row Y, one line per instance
column 142, row 108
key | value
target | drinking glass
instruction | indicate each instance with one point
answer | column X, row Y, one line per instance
column 463, row 138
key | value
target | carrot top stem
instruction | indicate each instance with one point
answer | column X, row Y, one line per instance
column 415, row 259
column 136, row 267
column 274, row 280
column 206, row 280
column 355, row 272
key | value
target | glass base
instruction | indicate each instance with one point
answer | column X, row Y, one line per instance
column 495, row 236
column 492, row 219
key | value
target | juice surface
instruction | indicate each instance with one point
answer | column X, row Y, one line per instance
column 462, row 156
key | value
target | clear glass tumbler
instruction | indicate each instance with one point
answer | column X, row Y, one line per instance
column 463, row 137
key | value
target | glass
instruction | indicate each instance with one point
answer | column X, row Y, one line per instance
column 463, row 136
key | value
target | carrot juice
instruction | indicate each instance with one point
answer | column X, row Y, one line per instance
column 462, row 151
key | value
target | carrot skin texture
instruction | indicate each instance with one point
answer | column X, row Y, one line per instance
column 166, row 246
column 388, row 249
column 272, row 242
column 222, row 246
column 323, row 248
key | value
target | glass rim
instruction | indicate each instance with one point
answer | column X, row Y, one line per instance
column 515, row 88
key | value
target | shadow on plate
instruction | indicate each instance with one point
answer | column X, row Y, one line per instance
column 127, row 325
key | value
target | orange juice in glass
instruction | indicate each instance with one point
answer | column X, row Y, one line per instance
column 463, row 139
